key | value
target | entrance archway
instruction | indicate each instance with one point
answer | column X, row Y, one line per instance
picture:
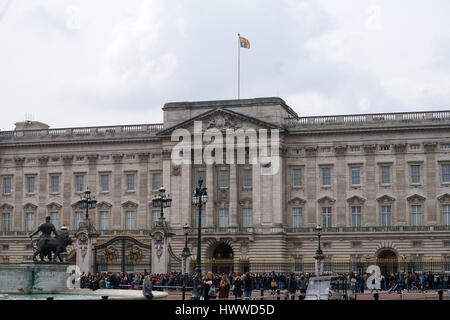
column 222, row 258
column 387, row 260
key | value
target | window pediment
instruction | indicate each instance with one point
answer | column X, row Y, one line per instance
column 386, row 199
column 54, row 206
column 297, row 201
column 416, row 198
column 444, row 197
column 129, row 205
column 326, row 199
column 29, row 206
column 104, row 205
column 356, row 199
column 6, row 206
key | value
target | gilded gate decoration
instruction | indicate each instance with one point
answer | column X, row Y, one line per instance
column 123, row 253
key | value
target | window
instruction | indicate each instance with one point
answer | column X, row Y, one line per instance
column 446, row 215
column 296, row 151
column 30, row 221
column 356, row 245
column 5, row 247
column 55, row 159
column 414, row 147
column 327, row 245
column 156, row 181
column 415, row 174
column 130, row 182
column 326, row 149
column 326, row 217
column 54, row 218
column 386, row 216
column 31, row 160
column 447, row 244
column 416, row 215
column 7, row 161
column 445, row 173
column 355, row 149
column 203, row 219
column 356, row 176
column 156, row 156
column 104, row 220
column 54, row 182
column 356, row 216
column 247, row 178
column 297, row 217
column 326, row 176
column 155, row 217
column 417, row 244
column 445, row 146
column 79, row 158
column 223, row 179
column 104, row 158
column 79, row 183
column 385, row 147
column 297, row 178
column 7, row 185
column 104, row 181
column 223, row 218
column 385, row 175
column 201, row 175
column 131, row 156
column 78, row 218
column 297, row 245
column 30, row 184
column 129, row 222
column 247, row 220
column 6, row 219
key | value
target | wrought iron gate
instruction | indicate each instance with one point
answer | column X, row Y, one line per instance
column 123, row 254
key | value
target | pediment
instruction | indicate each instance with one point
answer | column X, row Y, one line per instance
column 297, row 201
column 129, row 204
column 444, row 197
column 415, row 198
column 326, row 199
column 385, row 198
column 6, row 206
column 30, row 206
column 221, row 119
column 54, row 205
column 104, row 204
column 356, row 199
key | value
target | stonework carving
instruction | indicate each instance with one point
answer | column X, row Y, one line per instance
column 340, row 149
column 158, row 239
column 445, row 198
column 43, row 161
column 129, row 205
column 54, row 206
column 399, row 147
column 166, row 154
column 326, row 199
column 176, row 170
column 19, row 161
column 311, row 150
column 297, row 201
column 356, row 200
column 67, row 159
column 83, row 244
column 222, row 122
column 117, row 157
column 416, row 198
column 430, row 146
column 370, row 148
column 92, row 158
column 144, row 156
column 385, row 199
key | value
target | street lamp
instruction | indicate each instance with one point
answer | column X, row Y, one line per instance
column 199, row 198
column 87, row 203
column 162, row 201
column 186, row 252
column 319, row 254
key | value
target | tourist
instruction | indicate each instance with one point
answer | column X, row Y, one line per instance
column 147, row 288
column 301, row 282
column 224, row 288
column 209, row 290
column 248, row 286
column 237, row 287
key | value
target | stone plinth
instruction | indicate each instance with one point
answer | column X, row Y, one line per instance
column 160, row 247
column 86, row 237
column 32, row 277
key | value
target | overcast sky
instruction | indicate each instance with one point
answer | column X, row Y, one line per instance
column 103, row 62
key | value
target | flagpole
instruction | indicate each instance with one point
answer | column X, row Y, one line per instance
column 239, row 66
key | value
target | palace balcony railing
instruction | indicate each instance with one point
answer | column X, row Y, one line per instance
column 86, row 131
column 364, row 119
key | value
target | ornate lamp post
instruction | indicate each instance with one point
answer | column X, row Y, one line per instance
column 162, row 201
column 319, row 254
column 87, row 203
column 186, row 252
column 199, row 198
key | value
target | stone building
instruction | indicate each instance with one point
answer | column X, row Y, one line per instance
column 377, row 183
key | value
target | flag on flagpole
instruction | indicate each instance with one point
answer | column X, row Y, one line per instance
column 244, row 42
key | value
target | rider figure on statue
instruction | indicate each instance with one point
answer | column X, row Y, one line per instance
column 46, row 228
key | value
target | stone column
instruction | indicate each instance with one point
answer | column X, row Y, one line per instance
column 211, row 192
column 86, row 239
column 117, row 221
column 19, row 192
column 400, row 186
column 142, row 214
column 313, row 185
column 92, row 182
column 160, row 247
column 430, row 183
column 43, row 188
column 233, row 207
column 66, row 184
column 341, row 187
column 256, row 194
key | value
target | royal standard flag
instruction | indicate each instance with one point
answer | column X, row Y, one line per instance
column 244, row 42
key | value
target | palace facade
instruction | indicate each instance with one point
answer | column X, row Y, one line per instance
column 379, row 184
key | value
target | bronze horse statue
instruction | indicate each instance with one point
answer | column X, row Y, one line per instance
column 46, row 247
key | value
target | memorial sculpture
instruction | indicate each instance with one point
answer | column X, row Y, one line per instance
column 48, row 246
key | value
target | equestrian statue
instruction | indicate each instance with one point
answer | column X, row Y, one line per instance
column 48, row 245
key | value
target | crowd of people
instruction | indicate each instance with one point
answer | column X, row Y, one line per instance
column 242, row 285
